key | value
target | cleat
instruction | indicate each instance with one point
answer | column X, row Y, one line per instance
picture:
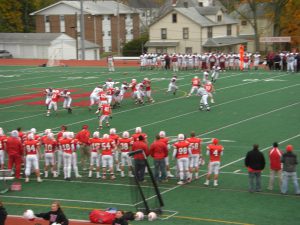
column 180, row 182
column 206, row 183
column 104, row 177
column 26, row 179
column 170, row 175
column 113, row 177
column 39, row 180
column 78, row 176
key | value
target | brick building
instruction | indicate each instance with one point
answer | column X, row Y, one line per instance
column 101, row 22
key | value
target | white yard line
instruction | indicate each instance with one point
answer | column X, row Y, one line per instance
column 65, row 200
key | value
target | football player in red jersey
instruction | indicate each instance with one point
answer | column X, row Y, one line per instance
column 195, row 146
column 107, row 146
column 115, row 137
column 95, row 143
column 147, row 85
column 214, row 151
column 196, row 83
column 2, row 148
column 125, row 144
column 53, row 103
column 32, row 147
column 50, row 146
column 75, row 146
column 181, row 153
column 138, row 132
column 65, row 144
column 106, row 113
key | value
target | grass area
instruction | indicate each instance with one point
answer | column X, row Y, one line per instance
column 251, row 107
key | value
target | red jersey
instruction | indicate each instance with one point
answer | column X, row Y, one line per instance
column 135, row 136
column 125, row 144
column 147, row 84
column 102, row 96
column 66, row 145
column 83, row 136
column 115, row 137
column 110, row 91
column 215, row 152
column 107, row 146
column 95, row 144
column 74, row 143
column 105, row 109
column 275, row 159
column 182, row 149
column 50, row 145
column 196, row 82
column 133, row 88
column 208, row 87
column 60, row 134
column 3, row 140
column 55, row 96
column 195, row 145
column 31, row 147
column 43, row 138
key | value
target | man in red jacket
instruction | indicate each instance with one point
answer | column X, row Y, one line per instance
column 83, row 137
column 159, row 150
column 15, row 152
column 139, row 158
column 275, row 165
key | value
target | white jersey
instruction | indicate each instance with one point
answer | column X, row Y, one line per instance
column 201, row 91
column 96, row 91
column 110, row 84
column 173, row 80
column 123, row 89
column 48, row 93
column 65, row 95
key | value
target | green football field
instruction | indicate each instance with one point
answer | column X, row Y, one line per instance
column 257, row 107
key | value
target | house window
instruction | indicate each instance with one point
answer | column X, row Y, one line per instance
column 244, row 22
column 62, row 24
column 200, row 4
column 47, row 19
column 131, row 31
column 109, row 48
column 174, row 18
column 219, row 18
column 143, row 14
column 109, row 33
column 108, row 17
column 188, row 50
column 185, row 4
column 229, row 31
column 163, row 32
column 185, row 33
column 209, row 32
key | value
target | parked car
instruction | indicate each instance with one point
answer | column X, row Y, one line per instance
column 5, row 54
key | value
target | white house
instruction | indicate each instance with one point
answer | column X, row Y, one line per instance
column 192, row 26
column 56, row 46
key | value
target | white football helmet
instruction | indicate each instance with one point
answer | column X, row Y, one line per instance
column 133, row 80
column 112, row 131
column 47, row 131
column 70, row 134
column 105, row 136
column 30, row 136
column 50, row 135
column 180, row 137
column 1, row 132
column 96, row 134
column 33, row 130
column 14, row 133
column 138, row 130
column 125, row 134
column 162, row 134
column 65, row 134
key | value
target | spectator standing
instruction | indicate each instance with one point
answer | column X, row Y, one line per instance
column 159, row 151
column 275, row 165
column 14, row 150
column 255, row 162
column 139, row 158
column 289, row 160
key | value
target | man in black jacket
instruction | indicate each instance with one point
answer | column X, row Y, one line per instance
column 255, row 162
column 3, row 214
column 289, row 161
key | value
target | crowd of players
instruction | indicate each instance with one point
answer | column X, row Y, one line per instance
column 110, row 151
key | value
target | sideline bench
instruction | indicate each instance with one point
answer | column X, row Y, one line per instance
column 4, row 176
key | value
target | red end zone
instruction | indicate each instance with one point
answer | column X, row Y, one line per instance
column 18, row 220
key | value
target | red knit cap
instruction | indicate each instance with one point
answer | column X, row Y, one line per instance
column 289, row 148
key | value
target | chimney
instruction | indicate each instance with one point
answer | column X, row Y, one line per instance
column 174, row 3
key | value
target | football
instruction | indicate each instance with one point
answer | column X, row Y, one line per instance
column 29, row 214
column 152, row 216
column 139, row 216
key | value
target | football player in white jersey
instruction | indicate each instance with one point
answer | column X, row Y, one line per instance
column 110, row 83
column 94, row 97
column 172, row 85
column 203, row 101
column 48, row 94
column 256, row 59
column 66, row 94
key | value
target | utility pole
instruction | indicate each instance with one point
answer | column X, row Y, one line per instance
column 118, row 28
column 82, row 31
